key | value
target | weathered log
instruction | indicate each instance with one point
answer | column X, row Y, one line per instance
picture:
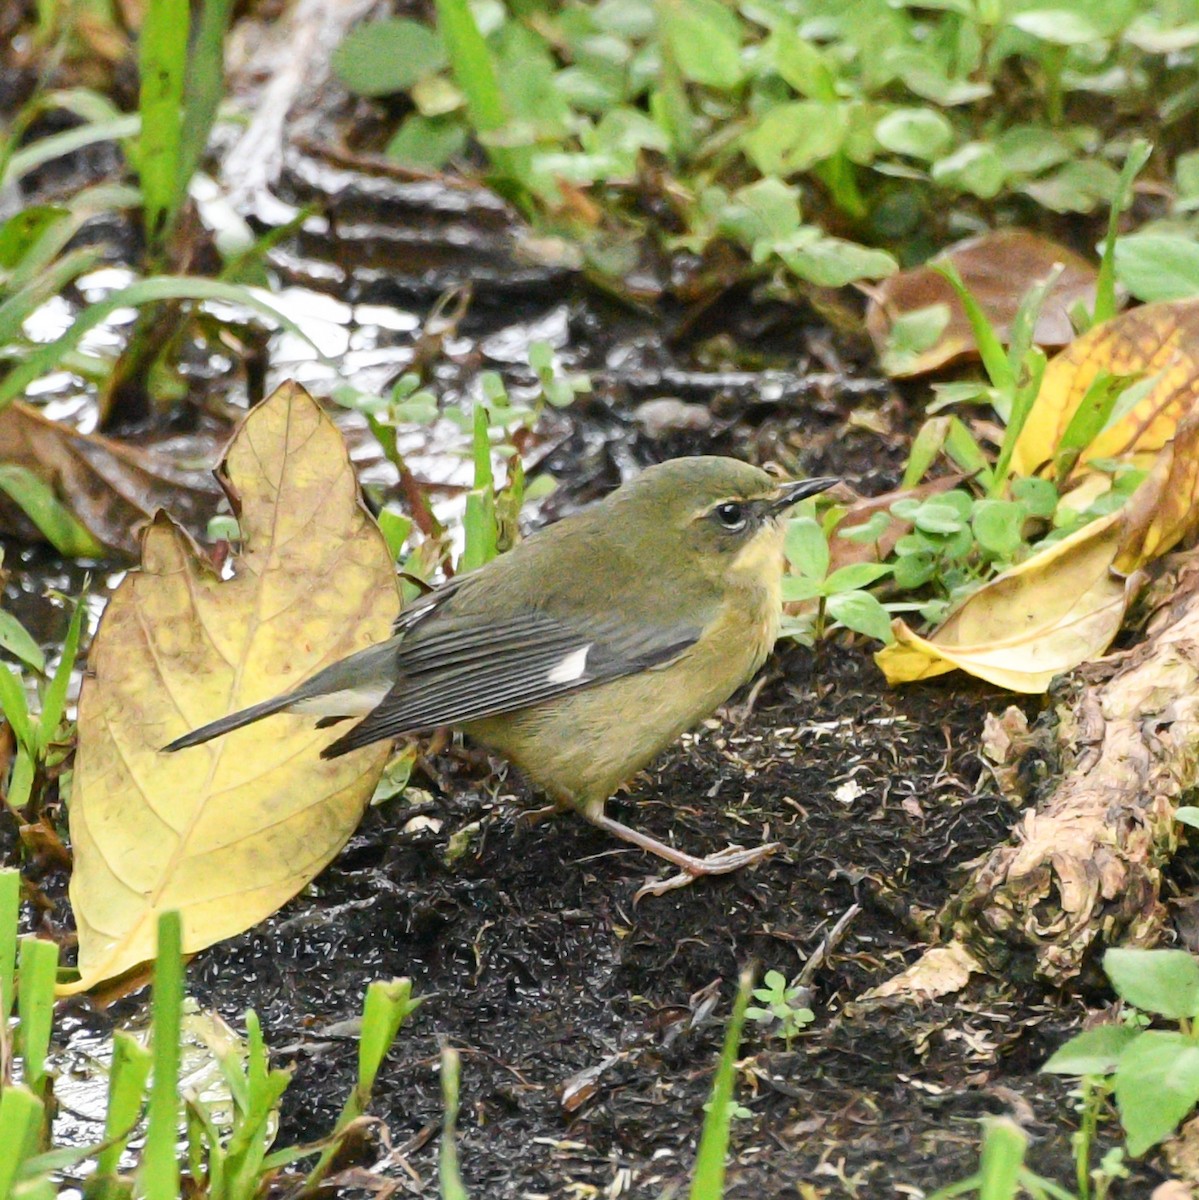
column 1083, row 868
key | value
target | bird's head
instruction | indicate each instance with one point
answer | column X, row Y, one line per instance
column 722, row 518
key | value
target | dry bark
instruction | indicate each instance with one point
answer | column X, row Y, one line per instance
column 1083, row 868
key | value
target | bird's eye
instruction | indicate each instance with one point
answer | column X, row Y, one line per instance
column 731, row 516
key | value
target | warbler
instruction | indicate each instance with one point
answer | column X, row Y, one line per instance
column 587, row 648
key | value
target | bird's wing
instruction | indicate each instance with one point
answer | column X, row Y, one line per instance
column 455, row 668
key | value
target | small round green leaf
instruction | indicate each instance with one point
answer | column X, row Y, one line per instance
column 427, row 143
column 870, row 531
column 914, row 570
column 933, row 516
column 917, row 132
column 998, row 526
column 806, row 547
column 1038, row 496
column 382, row 57
column 862, row 613
column 1157, row 981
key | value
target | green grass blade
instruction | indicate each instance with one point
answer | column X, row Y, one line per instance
column 14, row 705
column 478, row 522
column 1093, row 411
column 1022, row 406
column 38, row 1189
column 20, row 1125
column 1105, row 285
column 470, row 61
column 926, row 445
column 1001, row 1160
column 204, row 87
column 159, row 1175
column 37, row 972
column 37, row 500
column 162, row 66
column 448, row 1174
column 385, row 1009
column 42, row 255
column 146, row 291
column 478, row 527
column 16, row 639
column 708, row 1180
column 1024, row 324
column 990, row 348
column 10, row 911
column 965, row 453
column 54, row 702
column 20, row 786
column 32, row 295
column 46, row 149
column 126, row 1093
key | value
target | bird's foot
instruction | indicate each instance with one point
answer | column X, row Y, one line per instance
column 690, row 868
column 732, row 858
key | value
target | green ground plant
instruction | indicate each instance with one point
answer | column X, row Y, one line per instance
column 828, row 142
column 956, row 540
column 43, row 740
column 782, row 1008
column 1002, row 1172
column 181, row 81
column 840, row 594
column 495, row 424
column 1154, row 1073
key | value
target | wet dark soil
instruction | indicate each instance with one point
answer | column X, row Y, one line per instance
column 589, row 1026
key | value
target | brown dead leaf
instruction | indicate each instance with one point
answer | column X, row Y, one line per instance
column 1159, row 341
column 226, row 832
column 998, row 268
column 1165, row 508
column 939, row 971
column 110, row 488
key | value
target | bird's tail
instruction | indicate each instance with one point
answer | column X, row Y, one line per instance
column 349, row 688
column 247, row 716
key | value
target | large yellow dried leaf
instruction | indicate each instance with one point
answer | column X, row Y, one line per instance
column 1158, row 340
column 1063, row 606
column 228, row 831
column 1058, row 609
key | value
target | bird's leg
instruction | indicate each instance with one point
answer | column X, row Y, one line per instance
column 732, row 858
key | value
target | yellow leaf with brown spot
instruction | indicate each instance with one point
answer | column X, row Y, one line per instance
column 1165, row 508
column 1059, row 608
column 1158, row 342
column 228, row 831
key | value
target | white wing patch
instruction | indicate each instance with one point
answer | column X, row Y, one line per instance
column 571, row 667
column 347, row 702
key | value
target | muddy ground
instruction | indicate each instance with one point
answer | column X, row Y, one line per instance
column 534, row 962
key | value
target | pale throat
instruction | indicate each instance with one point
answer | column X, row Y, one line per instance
column 757, row 571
